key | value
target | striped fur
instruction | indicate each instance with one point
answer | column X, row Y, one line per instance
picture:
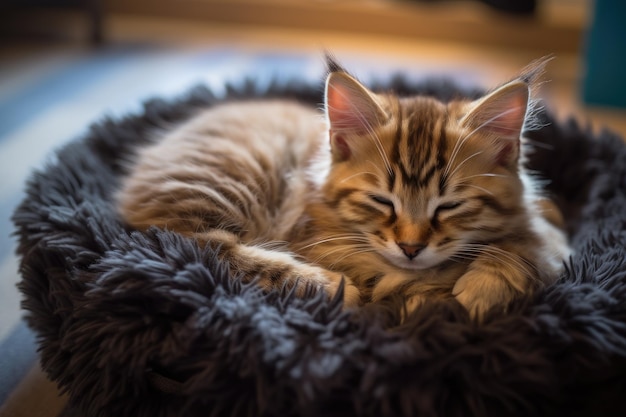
column 413, row 197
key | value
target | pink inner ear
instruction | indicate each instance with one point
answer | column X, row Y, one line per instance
column 507, row 126
column 503, row 113
column 353, row 112
column 342, row 112
column 509, row 122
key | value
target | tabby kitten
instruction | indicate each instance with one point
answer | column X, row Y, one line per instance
column 396, row 196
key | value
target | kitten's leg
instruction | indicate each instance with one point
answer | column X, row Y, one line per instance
column 276, row 269
column 494, row 278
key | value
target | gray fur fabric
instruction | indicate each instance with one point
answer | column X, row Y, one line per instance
column 147, row 324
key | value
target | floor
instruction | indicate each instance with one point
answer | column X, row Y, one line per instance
column 485, row 65
column 51, row 89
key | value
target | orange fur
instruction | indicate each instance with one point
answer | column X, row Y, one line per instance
column 413, row 196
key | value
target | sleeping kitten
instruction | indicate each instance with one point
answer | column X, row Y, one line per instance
column 408, row 196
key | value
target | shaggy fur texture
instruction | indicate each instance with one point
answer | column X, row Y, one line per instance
column 146, row 324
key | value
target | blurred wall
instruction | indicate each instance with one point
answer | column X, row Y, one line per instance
column 556, row 25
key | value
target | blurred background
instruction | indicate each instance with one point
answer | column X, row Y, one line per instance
column 67, row 63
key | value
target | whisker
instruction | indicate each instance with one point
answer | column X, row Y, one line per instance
column 381, row 149
column 340, row 249
column 484, row 175
column 457, row 148
column 353, row 253
column 354, row 237
column 357, row 174
column 271, row 245
column 497, row 254
column 464, row 161
column 537, row 144
column 527, row 271
column 479, row 188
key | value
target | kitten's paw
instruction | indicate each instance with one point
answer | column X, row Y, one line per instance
column 329, row 282
column 411, row 304
column 479, row 292
column 351, row 294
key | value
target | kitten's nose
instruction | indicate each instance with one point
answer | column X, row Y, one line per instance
column 411, row 250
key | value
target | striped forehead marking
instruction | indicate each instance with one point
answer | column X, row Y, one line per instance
column 420, row 144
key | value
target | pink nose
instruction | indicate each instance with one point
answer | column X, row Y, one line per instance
column 411, row 250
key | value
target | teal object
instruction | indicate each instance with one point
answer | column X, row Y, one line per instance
column 604, row 80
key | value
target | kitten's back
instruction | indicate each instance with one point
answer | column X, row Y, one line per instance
column 229, row 167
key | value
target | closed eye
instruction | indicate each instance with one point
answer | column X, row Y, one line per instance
column 381, row 200
column 451, row 205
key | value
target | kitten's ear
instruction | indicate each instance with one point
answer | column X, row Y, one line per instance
column 500, row 115
column 332, row 65
column 351, row 110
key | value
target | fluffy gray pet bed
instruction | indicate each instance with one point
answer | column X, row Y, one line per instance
column 147, row 324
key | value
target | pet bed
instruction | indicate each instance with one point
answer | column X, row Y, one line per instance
column 147, row 324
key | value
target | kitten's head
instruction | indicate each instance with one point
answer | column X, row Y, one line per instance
column 424, row 180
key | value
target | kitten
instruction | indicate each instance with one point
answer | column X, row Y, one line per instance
column 408, row 196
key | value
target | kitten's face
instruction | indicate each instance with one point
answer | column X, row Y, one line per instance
column 423, row 182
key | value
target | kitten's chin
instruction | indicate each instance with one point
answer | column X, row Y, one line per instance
column 419, row 263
